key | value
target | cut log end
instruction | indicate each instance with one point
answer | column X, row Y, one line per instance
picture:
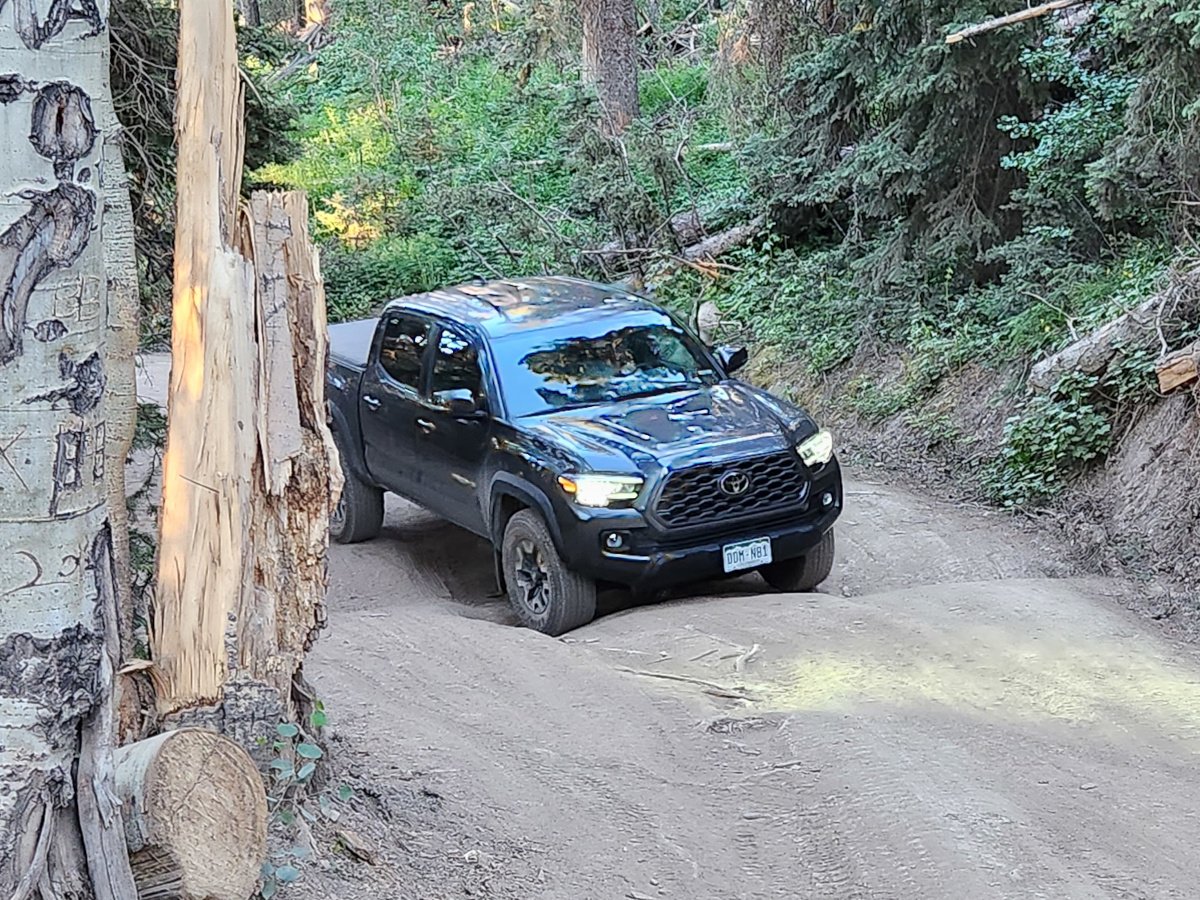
column 1180, row 369
column 195, row 816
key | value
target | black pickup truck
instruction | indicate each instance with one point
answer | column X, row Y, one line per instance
column 587, row 434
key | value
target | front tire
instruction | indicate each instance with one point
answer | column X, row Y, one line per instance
column 358, row 515
column 545, row 594
column 804, row 573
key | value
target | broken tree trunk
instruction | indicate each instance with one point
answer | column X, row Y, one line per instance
column 195, row 816
column 1143, row 326
column 247, row 478
column 203, row 557
column 1179, row 369
column 293, row 476
column 60, row 830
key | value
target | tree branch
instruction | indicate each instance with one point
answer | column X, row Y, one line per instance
column 1024, row 15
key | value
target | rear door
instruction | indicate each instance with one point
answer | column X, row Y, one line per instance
column 390, row 401
column 454, row 447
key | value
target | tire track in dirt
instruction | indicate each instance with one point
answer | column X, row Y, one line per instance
column 1000, row 738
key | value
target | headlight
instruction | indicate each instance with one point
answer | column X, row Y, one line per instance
column 600, row 490
column 816, row 450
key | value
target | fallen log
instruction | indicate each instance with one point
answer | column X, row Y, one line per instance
column 714, row 246
column 1139, row 328
column 1179, row 369
column 195, row 816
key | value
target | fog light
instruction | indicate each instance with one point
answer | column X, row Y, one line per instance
column 827, row 500
column 615, row 540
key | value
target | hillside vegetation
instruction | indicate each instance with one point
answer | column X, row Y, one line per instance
column 935, row 218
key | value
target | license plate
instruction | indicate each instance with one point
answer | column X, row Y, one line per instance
column 747, row 554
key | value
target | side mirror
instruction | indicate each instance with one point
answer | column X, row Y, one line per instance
column 459, row 402
column 732, row 358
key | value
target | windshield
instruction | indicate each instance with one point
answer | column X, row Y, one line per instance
column 598, row 362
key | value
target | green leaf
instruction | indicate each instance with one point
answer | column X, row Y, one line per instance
column 344, row 792
column 308, row 751
column 318, row 719
column 287, row 874
column 287, row 730
column 286, row 816
column 306, row 771
column 269, row 889
column 284, row 771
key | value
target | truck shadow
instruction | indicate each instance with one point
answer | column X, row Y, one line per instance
column 446, row 563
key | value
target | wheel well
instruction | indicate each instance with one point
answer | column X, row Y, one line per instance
column 507, row 507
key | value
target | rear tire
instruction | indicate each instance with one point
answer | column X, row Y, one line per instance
column 545, row 594
column 804, row 573
column 359, row 512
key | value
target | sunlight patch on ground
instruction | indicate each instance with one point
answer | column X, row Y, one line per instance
column 1094, row 682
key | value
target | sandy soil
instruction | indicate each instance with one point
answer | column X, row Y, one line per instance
column 956, row 715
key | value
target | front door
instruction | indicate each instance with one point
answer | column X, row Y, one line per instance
column 391, row 402
column 453, row 441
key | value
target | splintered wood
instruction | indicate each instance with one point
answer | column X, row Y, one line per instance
column 246, row 473
column 1180, row 369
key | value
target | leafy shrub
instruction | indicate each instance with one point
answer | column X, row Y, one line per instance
column 358, row 281
column 1049, row 440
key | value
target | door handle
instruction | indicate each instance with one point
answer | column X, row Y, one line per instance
column 372, row 402
column 426, row 426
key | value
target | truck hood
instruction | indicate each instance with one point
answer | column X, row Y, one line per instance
column 678, row 428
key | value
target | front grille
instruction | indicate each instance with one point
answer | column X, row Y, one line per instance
column 694, row 496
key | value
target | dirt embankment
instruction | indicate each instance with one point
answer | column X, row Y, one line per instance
column 1135, row 514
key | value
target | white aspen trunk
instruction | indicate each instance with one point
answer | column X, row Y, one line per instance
column 61, row 831
column 124, row 310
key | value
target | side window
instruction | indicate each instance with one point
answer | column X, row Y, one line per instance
column 456, row 370
column 402, row 349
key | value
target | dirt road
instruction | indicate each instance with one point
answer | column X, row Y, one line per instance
column 953, row 719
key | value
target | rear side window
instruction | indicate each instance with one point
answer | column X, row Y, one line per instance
column 456, row 368
column 402, row 349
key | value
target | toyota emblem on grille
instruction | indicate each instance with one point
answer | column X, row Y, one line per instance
column 734, row 483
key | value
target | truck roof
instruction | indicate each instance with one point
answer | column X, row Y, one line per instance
column 502, row 306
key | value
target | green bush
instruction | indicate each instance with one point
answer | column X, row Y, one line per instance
column 1048, row 441
column 359, row 281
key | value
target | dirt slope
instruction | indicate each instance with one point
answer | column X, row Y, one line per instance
column 951, row 720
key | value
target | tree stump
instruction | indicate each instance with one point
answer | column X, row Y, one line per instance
column 195, row 816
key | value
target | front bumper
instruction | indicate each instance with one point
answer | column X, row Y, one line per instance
column 654, row 558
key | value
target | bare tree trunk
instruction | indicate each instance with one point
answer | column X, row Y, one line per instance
column 251, row 13
column 246, row 474
column 61, row 831
column 610, row 61
column 203, row 560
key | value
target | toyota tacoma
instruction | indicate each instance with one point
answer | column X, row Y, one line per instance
column 587, row 434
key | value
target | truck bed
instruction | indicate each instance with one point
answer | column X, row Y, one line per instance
column 350, row 342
